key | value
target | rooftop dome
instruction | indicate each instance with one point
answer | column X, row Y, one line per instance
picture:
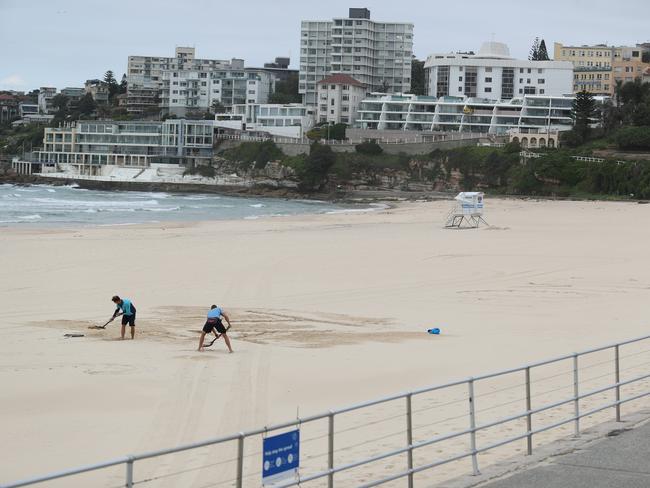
column 493, row 49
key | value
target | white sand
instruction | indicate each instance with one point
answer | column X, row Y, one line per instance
column 327, row 311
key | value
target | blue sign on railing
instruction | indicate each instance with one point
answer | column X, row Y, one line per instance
column 280, row 458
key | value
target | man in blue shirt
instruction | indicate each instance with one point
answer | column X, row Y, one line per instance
column 214, row 324
column 126, row 309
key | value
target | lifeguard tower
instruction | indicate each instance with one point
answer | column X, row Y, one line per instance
column 467, row 211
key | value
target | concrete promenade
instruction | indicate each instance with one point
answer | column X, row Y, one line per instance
column 621, row 459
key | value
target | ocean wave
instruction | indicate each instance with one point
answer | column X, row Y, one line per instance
column 257, row 205
column 162, row 209
column 30, row 217
column 95, row 203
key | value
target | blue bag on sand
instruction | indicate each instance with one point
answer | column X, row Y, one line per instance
column 435, row 330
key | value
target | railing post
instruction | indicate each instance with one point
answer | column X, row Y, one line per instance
column 617, row 369
column 576, row 393
column 330, row 451
column 409, row 437
column 472, row 426
column 529, row 416
column 240, row 460
column 129, row 472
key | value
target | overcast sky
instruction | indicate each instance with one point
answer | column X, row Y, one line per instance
column 65, row 42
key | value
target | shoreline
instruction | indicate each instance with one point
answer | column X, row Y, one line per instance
column 353, row 196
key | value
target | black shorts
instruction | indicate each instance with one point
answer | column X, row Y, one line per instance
column 128, row 319
column 214, row 324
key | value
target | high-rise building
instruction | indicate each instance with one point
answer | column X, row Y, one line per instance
column 493, row 74
column 596, row 68
column 377, row 54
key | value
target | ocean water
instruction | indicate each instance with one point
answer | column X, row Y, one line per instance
column 43, row 205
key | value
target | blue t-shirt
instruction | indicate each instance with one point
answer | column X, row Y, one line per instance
column 215, row 313
column 126, row 306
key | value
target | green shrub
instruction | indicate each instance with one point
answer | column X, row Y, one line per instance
column 633, row 138
column 371, row 148
column 259, row 153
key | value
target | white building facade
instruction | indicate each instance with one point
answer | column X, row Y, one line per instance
column 377, row 54
column 527, row 114
column 339, row 97
column 291, row 120
column 493, row 74
column 186, row 90
column 145, row 75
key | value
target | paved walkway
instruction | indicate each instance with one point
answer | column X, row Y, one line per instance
column 618, row 461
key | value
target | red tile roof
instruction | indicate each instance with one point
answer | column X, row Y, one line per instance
column 340, row 79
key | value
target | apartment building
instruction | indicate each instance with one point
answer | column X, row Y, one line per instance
column 526, row 114
column 187, row 90
column 339, row 97
column 291, row 120
column 132, row 143
column 98, row 89
column 597, row 68
column 493, row 74
column 145, row 75
column 8, row 107
column 377, row 54
column 45, row 96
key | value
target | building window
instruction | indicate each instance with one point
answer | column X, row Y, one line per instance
column 488, row 70
column 488, row 80
column 332, row 102
column 332, row 87
column 332, row 111
column 460, row 78
column 541, row 81
column 541, row 91
column 460, row 88
column 521, row 70
column 488, row 89
column 521, row 80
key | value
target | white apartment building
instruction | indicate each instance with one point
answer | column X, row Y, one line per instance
column 377, row 54
column 339, row 97
column 184, row 90
column 493, row 74
column 145, row 75
column 45, row 96
column 284, row 120
column 527, row 114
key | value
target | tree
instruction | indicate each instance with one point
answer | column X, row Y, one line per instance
column 123, row 84
column 384, row 87
column 313, row 176
column 217, row 107
column 286, row 91
column 583, row 112
column 110, row 78
column 62, row 105
column 113, row 87
column 87, row 105
column 542, row 52
column 370, row 148
column 534, row 50
column 418, row 86
column 618, row 85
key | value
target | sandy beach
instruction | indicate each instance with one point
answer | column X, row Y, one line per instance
column 327, row 310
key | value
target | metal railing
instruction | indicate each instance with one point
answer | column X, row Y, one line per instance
column 577, row 400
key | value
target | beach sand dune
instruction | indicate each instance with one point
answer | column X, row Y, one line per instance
column 327, row 311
